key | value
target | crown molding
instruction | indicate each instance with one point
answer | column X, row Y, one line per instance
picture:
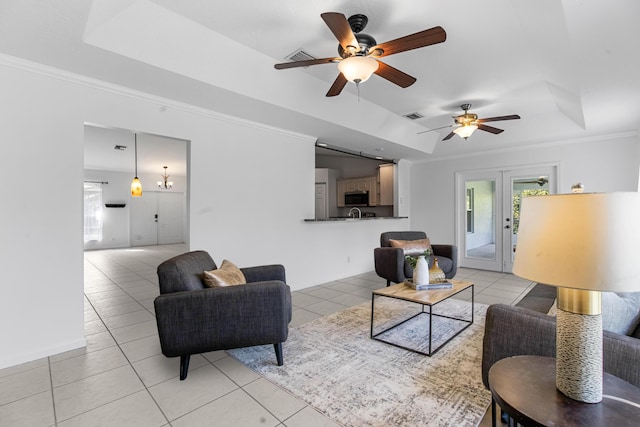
column 536, row 145
column 162, row 103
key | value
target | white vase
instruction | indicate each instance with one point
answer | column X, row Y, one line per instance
column 421, row 272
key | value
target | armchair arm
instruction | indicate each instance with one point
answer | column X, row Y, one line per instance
column 514, row 331
column 211, row 319
column 264, row 273
column 389, row 263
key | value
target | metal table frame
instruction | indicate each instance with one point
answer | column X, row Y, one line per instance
column 431, row 351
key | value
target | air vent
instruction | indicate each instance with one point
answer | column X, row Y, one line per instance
column 120, row 147
column 413, row 116
column 300, row 55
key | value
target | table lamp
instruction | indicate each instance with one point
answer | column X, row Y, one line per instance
column 582, row 244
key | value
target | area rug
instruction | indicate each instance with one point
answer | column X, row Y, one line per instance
column 334, row 366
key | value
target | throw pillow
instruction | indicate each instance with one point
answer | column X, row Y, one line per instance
column 553, row 310
column 227, row 275
column 412, row 247
column 620, row 312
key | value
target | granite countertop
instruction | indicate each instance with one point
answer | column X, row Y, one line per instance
column 368, row 218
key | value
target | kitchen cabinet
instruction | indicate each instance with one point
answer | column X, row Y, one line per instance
column 350, row 185
column 385, row 185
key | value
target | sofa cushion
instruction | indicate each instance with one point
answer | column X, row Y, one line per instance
column 412, row 247
column 227, row 275
column 620, row 312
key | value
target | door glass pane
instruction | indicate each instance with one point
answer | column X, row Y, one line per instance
column 480, row 239
column 525, row 187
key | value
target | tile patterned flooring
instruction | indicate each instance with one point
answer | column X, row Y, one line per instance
column 122, row 379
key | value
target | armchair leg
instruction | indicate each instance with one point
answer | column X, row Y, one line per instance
column 278, row 348
column 184, row 366
column 388, row 282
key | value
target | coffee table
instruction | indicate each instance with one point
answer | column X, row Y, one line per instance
column 428, row 299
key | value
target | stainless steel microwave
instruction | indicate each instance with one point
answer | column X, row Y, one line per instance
column 356, row 198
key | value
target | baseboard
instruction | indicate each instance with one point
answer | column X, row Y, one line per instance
column 17, row 359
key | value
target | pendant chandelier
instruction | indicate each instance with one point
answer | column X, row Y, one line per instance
column 165, row 184
column 136, row 185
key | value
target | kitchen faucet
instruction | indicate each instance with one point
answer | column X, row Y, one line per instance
column 352, row 213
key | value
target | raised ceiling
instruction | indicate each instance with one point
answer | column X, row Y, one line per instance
column 568, row 68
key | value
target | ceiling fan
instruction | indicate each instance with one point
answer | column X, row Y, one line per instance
column 467, row 123
column 540, row 181
column 359, row 52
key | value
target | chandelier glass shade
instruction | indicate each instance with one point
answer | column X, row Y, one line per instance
column 136, row 185
column 357, row 69
column 465, row 131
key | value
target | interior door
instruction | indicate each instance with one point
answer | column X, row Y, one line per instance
column 170, row 218
column 321, row 201
column 143, row 220
column 488, row 208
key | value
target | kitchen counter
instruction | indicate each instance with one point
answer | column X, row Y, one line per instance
column 369, row 218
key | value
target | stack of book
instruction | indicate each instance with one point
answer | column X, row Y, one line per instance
column 428, row 286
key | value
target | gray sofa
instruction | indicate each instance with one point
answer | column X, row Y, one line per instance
column 391, row 265
column 195, row 319
column 526, row 329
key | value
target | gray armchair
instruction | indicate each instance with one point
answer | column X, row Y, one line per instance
column 194, row 319
column 514, row 331
column 390, row 263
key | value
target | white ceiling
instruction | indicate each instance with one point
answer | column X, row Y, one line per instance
column 568, row 68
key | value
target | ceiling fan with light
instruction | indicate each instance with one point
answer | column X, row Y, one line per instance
column 359, row 52
column 467, row 123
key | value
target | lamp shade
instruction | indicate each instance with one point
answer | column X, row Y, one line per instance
column 358, row 69
column 465, row 131
column 583, row 241
column 136, row 187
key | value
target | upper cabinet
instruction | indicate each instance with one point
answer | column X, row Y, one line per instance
column 385, row 185
column 380, row 187
column 351, row 185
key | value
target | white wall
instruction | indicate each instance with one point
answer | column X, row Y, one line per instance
column 250, row 188
column 604, row 165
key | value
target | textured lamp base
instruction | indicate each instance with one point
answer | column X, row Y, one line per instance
column 579, row 356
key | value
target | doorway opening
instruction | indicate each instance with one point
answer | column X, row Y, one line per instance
column 160, row 215
column 488, row 212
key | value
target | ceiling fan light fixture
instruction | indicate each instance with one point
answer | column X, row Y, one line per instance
column 358, row 69
column 465, row 131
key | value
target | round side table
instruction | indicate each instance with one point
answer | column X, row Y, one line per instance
column 525, row 388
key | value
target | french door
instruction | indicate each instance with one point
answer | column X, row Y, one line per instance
column 488, row 212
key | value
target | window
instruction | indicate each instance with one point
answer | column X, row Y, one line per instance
column 470, row 225
column 92, row 211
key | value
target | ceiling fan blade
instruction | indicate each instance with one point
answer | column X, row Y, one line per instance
column 500, row 118
column 394, row 75
column 490, row 129
column 448, row 136
column 337, row 86
column 340, row 28
column 413, row 41
column 431, row 130
column 306, row 63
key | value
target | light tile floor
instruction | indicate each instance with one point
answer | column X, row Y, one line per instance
column 122, row 379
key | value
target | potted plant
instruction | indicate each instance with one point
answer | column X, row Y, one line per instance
column 414, row 259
